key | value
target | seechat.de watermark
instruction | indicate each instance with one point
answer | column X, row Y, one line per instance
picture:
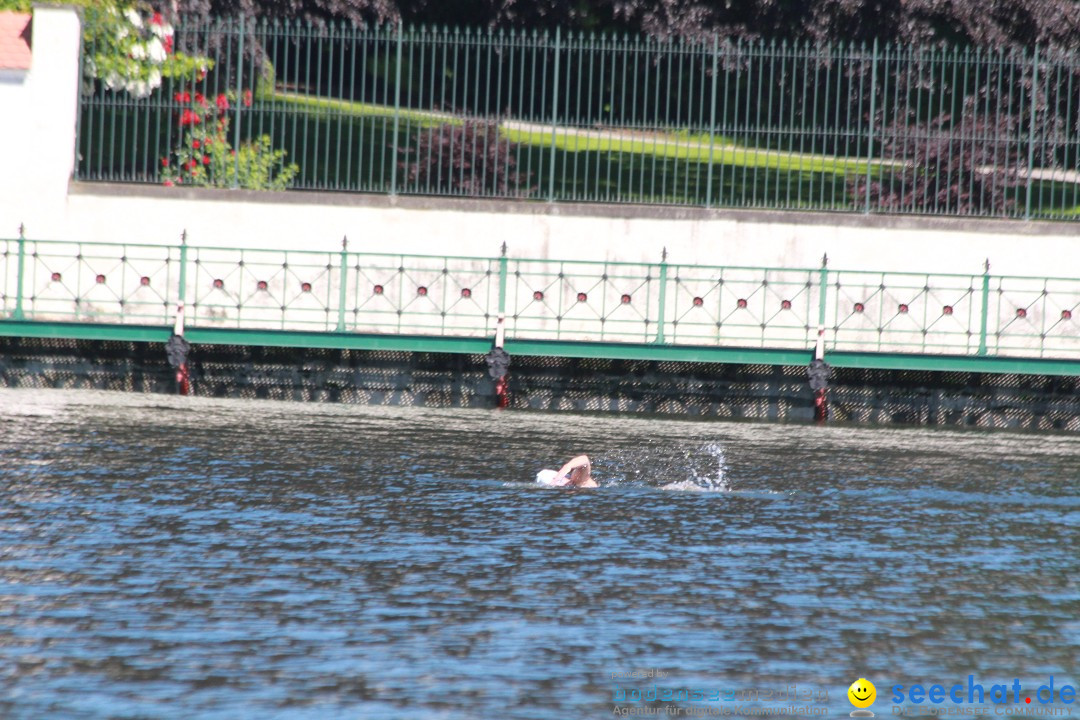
column 977, row 697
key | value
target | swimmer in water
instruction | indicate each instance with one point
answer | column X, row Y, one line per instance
column 575, row 473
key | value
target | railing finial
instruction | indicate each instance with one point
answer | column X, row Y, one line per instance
column 663, row 254
column 22, row 230
column 183, row 237
column 986, row 266
column 504, row 248
column 825, row 260
column 344, row 242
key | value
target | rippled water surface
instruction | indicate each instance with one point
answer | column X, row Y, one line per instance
column 172, row 557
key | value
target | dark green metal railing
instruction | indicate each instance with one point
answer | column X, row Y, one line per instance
column 611, row 303
column 615, row 119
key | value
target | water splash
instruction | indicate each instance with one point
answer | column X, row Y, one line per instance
column 719, row 483
column 708, row 471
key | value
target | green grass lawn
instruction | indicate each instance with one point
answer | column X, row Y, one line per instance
column 350, row 146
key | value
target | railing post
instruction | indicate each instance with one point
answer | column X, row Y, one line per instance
column 712, row 124
column 18, row 315
column 343, row 283
column 823, row 288
column 1031, row 131
column 873, row 110
column 238, row 103
column 985, row 307
column 663, row 298
column 397, row 114
column 554, row 115
column 502, row 281
column 183, row 269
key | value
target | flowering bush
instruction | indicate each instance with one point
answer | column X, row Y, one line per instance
column 132, row 53
column 205, row 157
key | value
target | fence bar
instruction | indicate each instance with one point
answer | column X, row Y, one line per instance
column 712, row 123
column 870, row 131
column 20, row 270
column 343, row 282
column 182, row 293
column 1032, row 109
column 238, row 102
column 985, row 307
column 397, row 114
column 662, row 302
column 823, row 289
column 554, row 118
column 502, row 280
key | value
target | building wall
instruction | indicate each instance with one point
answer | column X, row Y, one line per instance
column 37, row 123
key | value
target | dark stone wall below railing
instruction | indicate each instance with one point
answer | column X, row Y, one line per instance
column 757, row 392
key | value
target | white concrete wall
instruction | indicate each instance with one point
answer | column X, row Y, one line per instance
column 718, row 238
column 37, row 122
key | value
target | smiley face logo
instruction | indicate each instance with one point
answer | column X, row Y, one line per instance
column 862, row 693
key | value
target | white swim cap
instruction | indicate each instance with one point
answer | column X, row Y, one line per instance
column 547, row 477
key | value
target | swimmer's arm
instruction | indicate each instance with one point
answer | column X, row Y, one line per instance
column 579, row 461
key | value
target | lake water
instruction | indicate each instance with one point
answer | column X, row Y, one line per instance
column 186, row 557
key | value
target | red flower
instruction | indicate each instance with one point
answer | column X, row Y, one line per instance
column 200, row 98
column 156, row 19
column 222, row 102
column 168, row 44
column 168, row 183
column 205, row 159
column 182, row 97
column 206, row 142
column 247, row 98
column 164, row 162
column 189, row 118
column 195, row 144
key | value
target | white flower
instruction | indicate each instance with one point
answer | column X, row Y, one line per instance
column 121, row 33
column 155, row 79
column 139, row 88
column 156, row 51
column 138, row 51
column 163, row 30
column 112, row 80
column 133, row 17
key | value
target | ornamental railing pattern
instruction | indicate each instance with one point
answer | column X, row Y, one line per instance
column 571, row 300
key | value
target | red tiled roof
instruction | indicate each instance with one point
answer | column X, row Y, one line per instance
column 14, row 41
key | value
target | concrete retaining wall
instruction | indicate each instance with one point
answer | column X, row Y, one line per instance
column 752, row 392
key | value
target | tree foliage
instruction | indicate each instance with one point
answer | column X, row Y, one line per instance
column 967, row 166
column 979, row 22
